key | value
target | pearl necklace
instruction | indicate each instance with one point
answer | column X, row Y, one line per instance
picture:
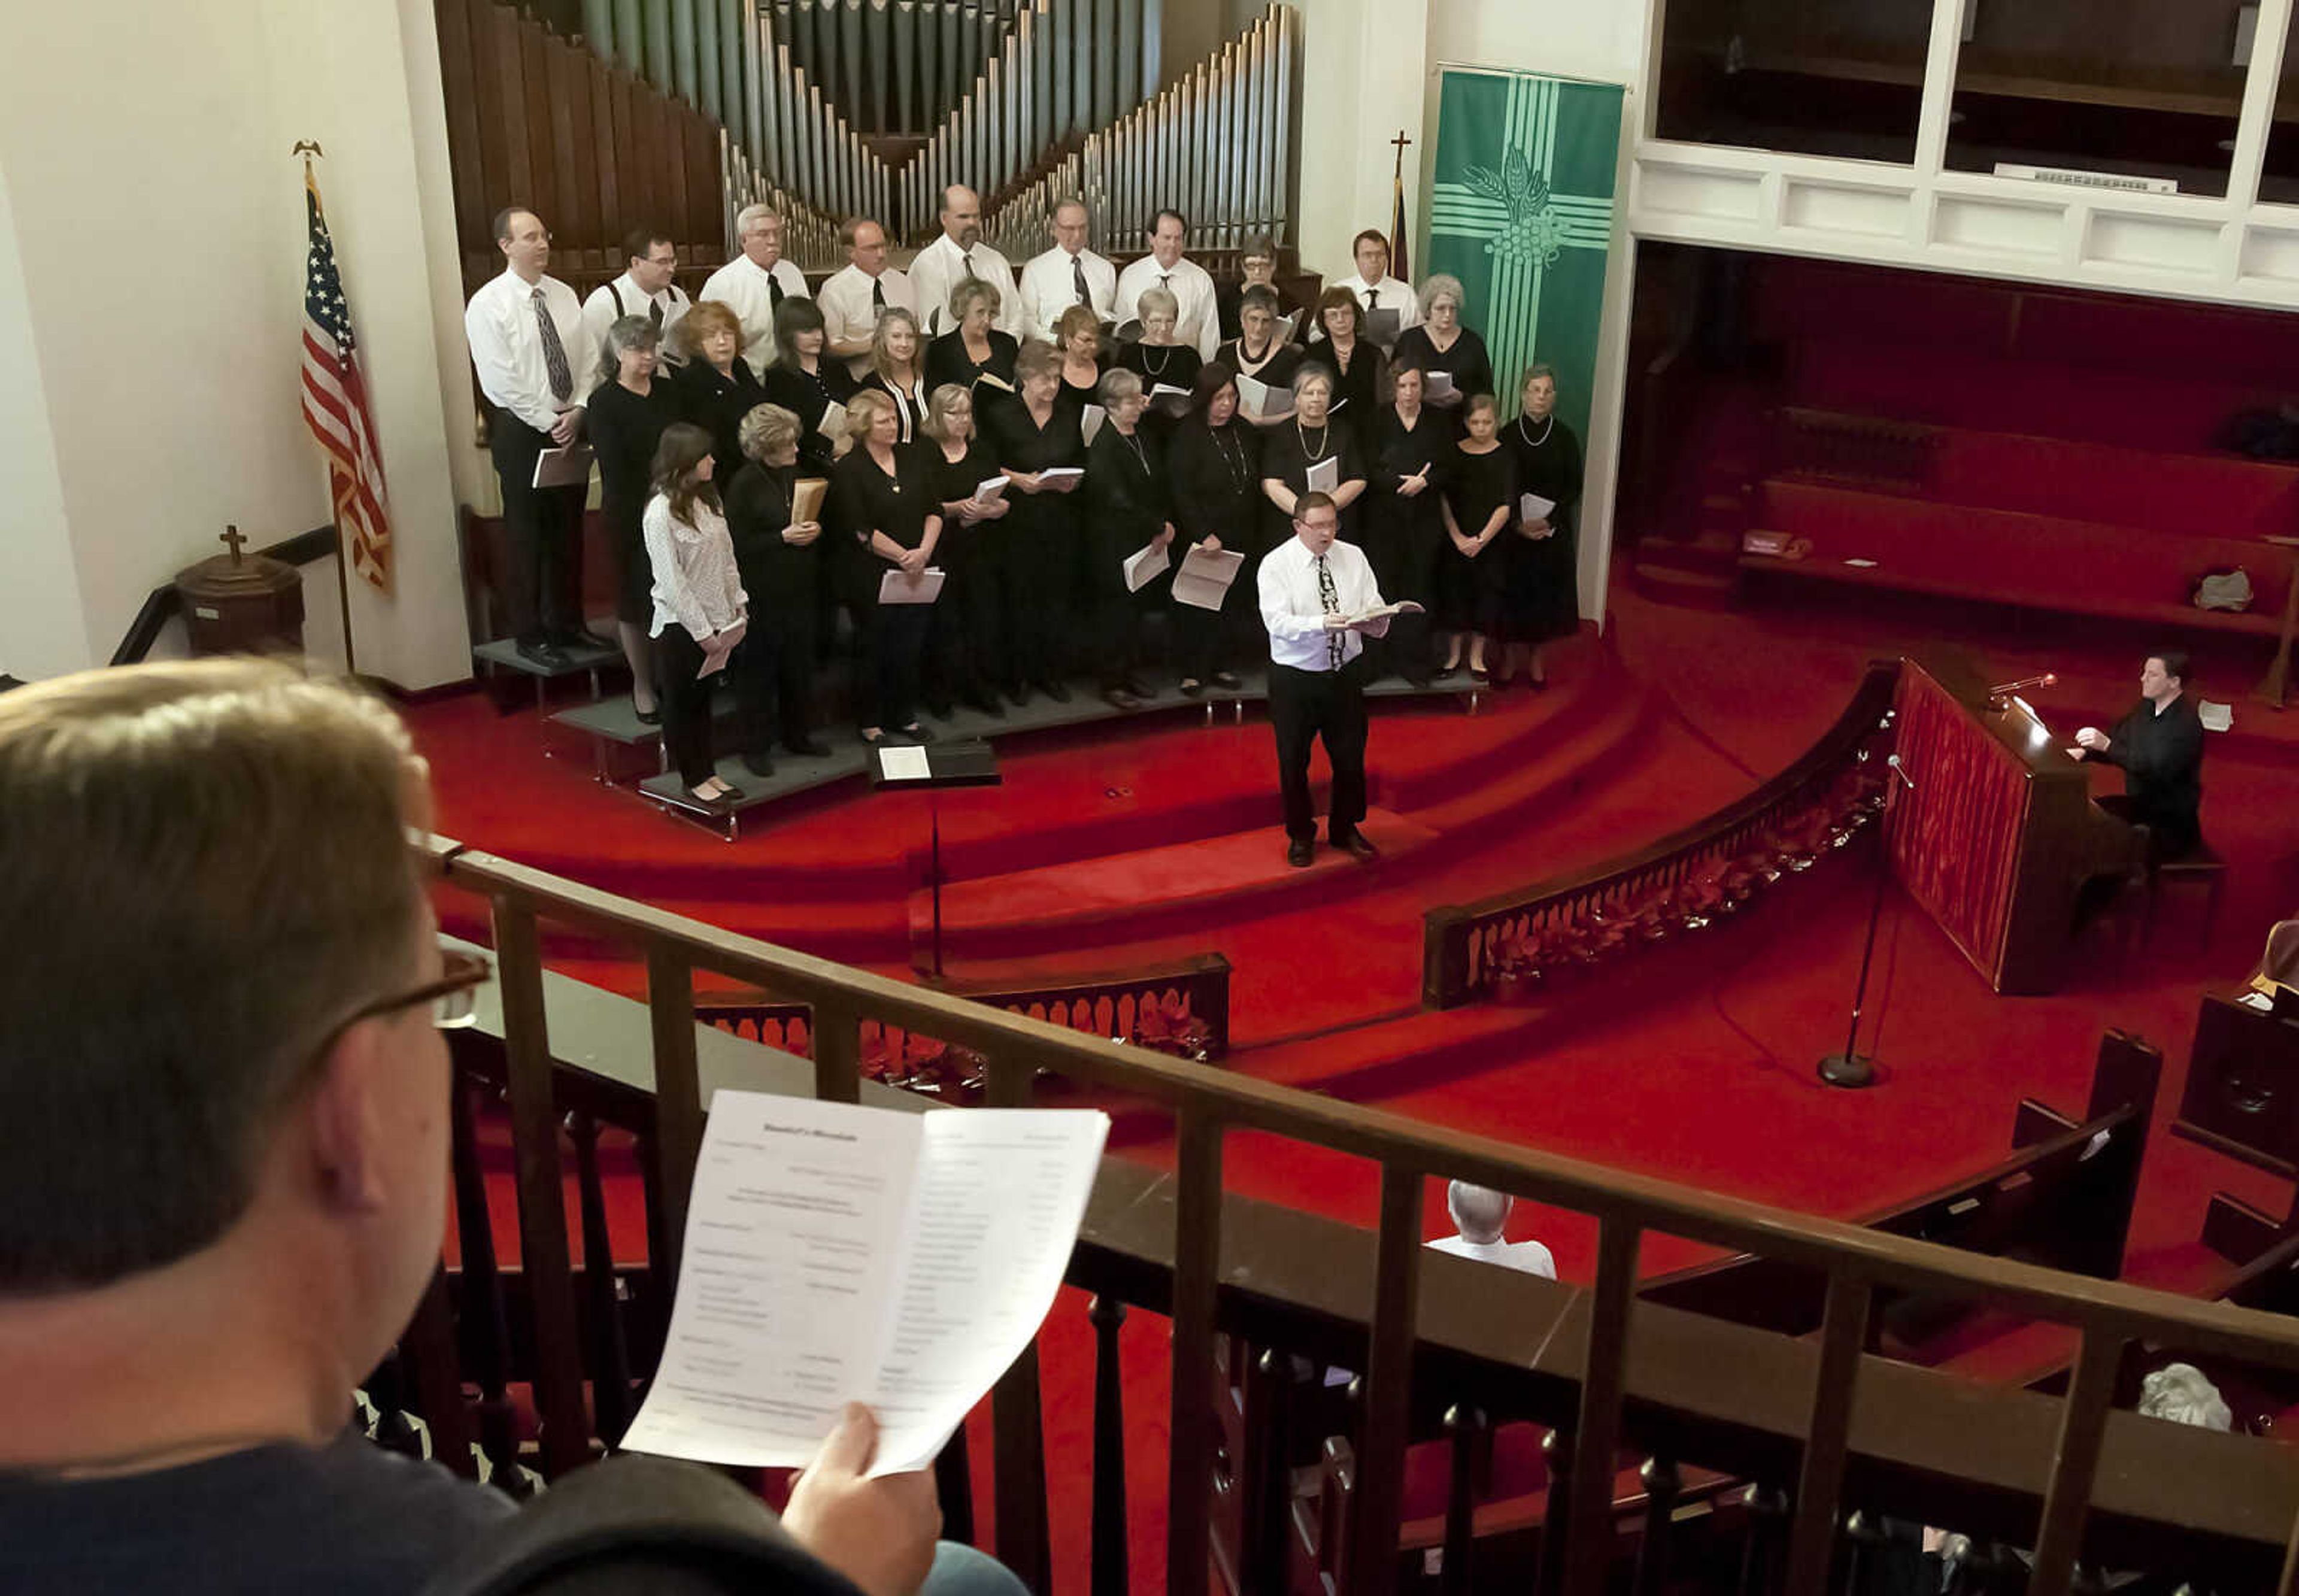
column 1532, row 442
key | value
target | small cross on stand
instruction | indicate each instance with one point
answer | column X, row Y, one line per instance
column 1397, row 219
column 1402, row 144
column 234, row 540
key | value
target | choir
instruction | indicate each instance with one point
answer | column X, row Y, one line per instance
column 1034, row 458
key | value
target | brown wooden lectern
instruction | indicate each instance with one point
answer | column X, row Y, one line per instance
column 1999, row 834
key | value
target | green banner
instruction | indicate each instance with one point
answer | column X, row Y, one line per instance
column 1521, row 211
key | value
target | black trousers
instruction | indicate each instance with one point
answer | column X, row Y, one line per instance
column 774, row 676
column 954, row 668
column 543, row 590
column 1404, row 552
column 685, row 704
column 1209, row 640
column 898, row 639
column 1036, row 607
column 1305, row 705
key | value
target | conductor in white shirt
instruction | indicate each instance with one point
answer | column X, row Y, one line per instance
column 536, row 367
column 1068, row 274
column 646, row 289
column 1480, row 1216
column 851, row 299
column 960, row 253
column 754, row 284
column 1163, row 267
column 1375, row 289
column 1310, row 587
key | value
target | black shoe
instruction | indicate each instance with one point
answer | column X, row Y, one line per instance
column 917, row 733
column 1119, row 698
column 569, row 640
column 759, row 764
column 647, row 717
column 983, row 702
column 1228, row 681
column 1133, row 684
column 807, row 748
column 1416, row 682
column 940, row 710
column 1357, row 845
column 1193, row 689
column 1300, row 855
column 1018, row 694
column 733, row 794
column 1444, row 673
column 1054, row 689
column 542, row 652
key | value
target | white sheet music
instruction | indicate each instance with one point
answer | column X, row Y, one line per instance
column 1144, row 566
column 904, row 763
column 1205, row 577
column 1532, row 507
column 898, row 586
column 1325, row 475
column 1090, row 420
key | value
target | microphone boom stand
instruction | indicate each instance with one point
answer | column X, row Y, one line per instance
column 1851, row 1069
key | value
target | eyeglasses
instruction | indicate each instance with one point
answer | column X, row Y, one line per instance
column 453, row 997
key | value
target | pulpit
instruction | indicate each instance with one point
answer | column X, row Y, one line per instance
column 1999, row 834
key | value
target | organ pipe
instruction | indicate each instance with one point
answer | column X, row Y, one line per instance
column 630, row 34
column 681, row 50
column 707, row 56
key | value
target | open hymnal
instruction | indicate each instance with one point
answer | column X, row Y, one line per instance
column 569, row 467
column 1281, row 332
column 2215, row 716
column 903, row 764
column 1262, row 401
column 1532, row 507
column 1090, row 420
column 1383, row 612
column 1060, row 479
column 807, row 495
column 990, row 379
column 833, row 424
column 1438, row 388
column 1205, row 577
column 990, row 489
column 1144, row 566
column 1167, row 400
column 1382, row 326
column 717, row 651
column 898, row 586
column 837, row 1253
column 1325, row 475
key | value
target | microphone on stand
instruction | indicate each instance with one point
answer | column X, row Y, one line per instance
column 1901, row 771
column 1999, row 699
column 1850, row 1068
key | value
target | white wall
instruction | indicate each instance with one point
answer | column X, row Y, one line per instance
column 41, row 629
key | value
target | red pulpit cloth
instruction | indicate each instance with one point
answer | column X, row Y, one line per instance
column 1955, row 839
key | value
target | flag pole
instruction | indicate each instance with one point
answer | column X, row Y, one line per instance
column 307, row 148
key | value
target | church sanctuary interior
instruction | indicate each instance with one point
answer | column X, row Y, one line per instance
column 1859, row 428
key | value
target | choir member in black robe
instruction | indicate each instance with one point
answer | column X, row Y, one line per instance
column 1544, row 593
column 1259, row 353
column 974, row 353
column 897, row 369
column 1213, row 469
column 1480, row 506
column 1161, row 360
column 1125, row 512
column 1035, row 568
column 2159, row 748
column 1412, row 454
column 1077, row 334
column 1313, row 434
column 716, row 388
column 886, row 496
column 973, row 534
column 1257, row 264
column 780, row 557
column 1360, row 370
column 624, row 421
column 1440, row 344
column 806, row 381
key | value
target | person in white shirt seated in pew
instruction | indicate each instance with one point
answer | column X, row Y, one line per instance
column 1480, row 1217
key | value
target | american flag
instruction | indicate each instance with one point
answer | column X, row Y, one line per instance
column 336, row 408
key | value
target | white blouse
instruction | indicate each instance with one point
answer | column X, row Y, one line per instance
column 696, row 583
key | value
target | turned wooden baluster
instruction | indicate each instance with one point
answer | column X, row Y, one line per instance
column 610, row 1366
column 1111, row 1575
column 485, row 1324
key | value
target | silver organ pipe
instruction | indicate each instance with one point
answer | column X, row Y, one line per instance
column 707, row 57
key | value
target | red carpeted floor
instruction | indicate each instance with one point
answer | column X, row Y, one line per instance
column 1695, row 1063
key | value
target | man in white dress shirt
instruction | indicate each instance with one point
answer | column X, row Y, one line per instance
column 1310, row 588
column 957, row 254
column 536, row 367
column 754, row 284
column 1375, row 289
column 1068, row 274
column 851, row 299
column 646, row 289
column 1163, row 267
column 1480, row 1215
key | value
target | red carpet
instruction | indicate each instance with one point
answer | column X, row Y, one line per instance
column 1695, row 1063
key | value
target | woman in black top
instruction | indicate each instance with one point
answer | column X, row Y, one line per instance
column 716, row 388
column 973, row 351
column 1313, row 434
column 780, row 558
column 1161, row 360
column 898, row 370
column 806, row 382
column 1441, row 343
column 1360, row 373
column 1404, row 520
column 625, row 420
column 1125, row 512
column 1214, row 473
column 1544, row 596
column 886, row 496
column 1035, row 569
column 1479, row 503
column 962, row 461
column 1257, row 352
column 1077, row 334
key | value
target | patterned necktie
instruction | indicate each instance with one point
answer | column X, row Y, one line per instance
column 1331, row 599
column 1078, row 276
column 877, row 295
column 554, row 353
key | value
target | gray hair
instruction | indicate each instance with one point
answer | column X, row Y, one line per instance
column 632, row 332
column 1312, row 372
column 1157, row 299
column 967, row 290
column 1479, row 1213
column 1535, row 373
column 1443, row 286
column 747, row 220
column 1116, row 383
column 766, row 427
column 2179, row 1392
column 1065, row 202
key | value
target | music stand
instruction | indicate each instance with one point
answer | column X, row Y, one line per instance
column 971, row 764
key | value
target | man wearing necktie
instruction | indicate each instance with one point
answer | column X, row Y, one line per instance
column 536, row 367
column 1310, row 588
column 1376, row 290
column 754, row 284
column 1198, row 324
column 647, row 289
column 1068, row 274
column 852, row 298
column 959, row 254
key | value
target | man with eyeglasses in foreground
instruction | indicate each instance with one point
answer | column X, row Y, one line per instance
column 223, row 1157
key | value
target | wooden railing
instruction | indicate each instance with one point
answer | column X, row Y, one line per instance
column 2065, row 1476
column 1679, row 883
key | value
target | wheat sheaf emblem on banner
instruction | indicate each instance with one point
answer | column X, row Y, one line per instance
column 1533, row 233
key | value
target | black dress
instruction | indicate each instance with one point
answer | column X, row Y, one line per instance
column 1160, row 365
column 954, row 668
column 948, row 361
column 1214, row 474
column 1288, row 451
column 1466, row 363
column 895, row 504
column 1405, row 535
column 1126, row 507
column 624, row 428
column 1471, row 592
column 1544, row 593
column 809, row 396
column 718, row 404
column 1076, row 398
column 1356, row 391
column 1034, row 565
column 775, row 666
